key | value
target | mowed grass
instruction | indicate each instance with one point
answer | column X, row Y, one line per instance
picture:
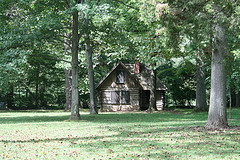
column 138, row 135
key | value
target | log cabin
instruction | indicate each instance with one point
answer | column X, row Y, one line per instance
column 128, row 87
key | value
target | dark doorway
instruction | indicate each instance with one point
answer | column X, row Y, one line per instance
column 145, row 99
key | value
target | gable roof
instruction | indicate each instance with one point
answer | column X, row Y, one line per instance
column 124, row 67
column 142, row 79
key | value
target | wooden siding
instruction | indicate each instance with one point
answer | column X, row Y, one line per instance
column 107, row 105
column 160, row 100
column 111, row 81
column 134, row 97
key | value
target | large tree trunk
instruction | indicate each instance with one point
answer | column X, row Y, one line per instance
column 153, row 105
column 75, row 97
column 68, row 74
column 217, row 116
column 201, row 103
column 93, row 100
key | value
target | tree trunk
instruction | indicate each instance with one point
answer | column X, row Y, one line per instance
column 68, row 74
column 68, row 86
column 152, row 105
column 10, row 98
column 37, row 87
column 230, row 101
column 93, row 100
column 75, row 97
column 201, row 103
column 238, row 100
column 217, row 115
column 88, row 48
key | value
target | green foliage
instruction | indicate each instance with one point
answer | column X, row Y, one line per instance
column 12, row 65
column 180, row 81
column 23, row 69
column 33, row 33
column 233, row 78
column 29, row 48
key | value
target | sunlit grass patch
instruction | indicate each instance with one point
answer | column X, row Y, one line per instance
column 140, row 135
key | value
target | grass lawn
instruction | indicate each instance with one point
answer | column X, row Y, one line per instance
column 162, row 135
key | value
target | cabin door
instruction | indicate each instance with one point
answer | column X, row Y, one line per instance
column 145, row 99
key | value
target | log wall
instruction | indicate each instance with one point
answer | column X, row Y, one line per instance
column 104, row 97
column 160, row 100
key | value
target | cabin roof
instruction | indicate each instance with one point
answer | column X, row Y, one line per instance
column 142, row 79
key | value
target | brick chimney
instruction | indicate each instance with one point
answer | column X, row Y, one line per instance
column 137, row 67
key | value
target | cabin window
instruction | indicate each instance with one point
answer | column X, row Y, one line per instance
column 115, row 97
column 120, row 97
column 125, row 97
column 120, row 76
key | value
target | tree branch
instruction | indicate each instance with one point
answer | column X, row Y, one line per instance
column 51, row 58
column 68, row 5
column 126, row 4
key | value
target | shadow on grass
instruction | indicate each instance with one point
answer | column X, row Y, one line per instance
column 70, row 139
column 164, row 135
column 143, row 117
column 45, row 116
column 29, row 111
column 106, row 118
column 148, row 143
column 32, row 119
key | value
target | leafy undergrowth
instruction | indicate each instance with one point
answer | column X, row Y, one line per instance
column 162, row 135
